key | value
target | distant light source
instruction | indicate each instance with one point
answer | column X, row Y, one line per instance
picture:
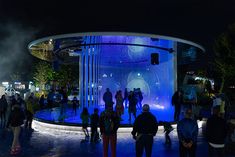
column 5, row 83
column 37, row 89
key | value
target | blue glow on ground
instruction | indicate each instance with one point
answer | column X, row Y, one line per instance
column 71, row 118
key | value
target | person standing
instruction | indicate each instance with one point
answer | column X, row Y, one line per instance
column 187, row 130
column 119, row 104
column 29, row 112
column 50, row 99
column 108, row 98
column 109, row 124
column 16, row 119
column 3, row 110
column 216, row 132
column 94, row 124
column 126, row 97
column 177, row 100
column 75, row 103
column 85, row 116
column 132, row 105
column 42, row 102
column 63, row 103
column 144, row 129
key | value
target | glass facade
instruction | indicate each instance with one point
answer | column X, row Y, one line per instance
column 119, row 61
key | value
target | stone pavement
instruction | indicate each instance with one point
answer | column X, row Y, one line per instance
column 36, row 144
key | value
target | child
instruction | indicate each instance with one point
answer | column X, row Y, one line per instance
column 85, row 121
column 94, row 125
column 167, row 129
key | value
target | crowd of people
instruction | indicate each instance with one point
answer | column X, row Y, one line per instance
column 17, row 112
column 219, row 129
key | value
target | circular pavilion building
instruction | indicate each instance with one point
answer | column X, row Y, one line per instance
column 119, row 60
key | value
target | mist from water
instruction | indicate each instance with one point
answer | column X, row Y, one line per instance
column 14, row 55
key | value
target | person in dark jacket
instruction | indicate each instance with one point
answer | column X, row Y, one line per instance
column 144, row 129
column 132, row 105
column 108, row 98
column 216, row 132
column 16, row 119
column 3, row 110
column 177, row 100
column 109, row 124
column 187, row 130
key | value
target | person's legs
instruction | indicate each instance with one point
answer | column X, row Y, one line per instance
column 220, row 152
column 168, row 139
column 113, row 142
column 192, row 151
column 182, row 150
column 105, row 145
column 92, row 134
column 139, row 147
column 148, row 145
column 210, row 151
column 16, row 133
column 30, row 121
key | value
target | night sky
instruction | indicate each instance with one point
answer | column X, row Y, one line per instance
column 200, row 21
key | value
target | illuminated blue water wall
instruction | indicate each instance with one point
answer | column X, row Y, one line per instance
column 128, row 66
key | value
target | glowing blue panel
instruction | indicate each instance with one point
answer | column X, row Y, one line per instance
column 128, row 66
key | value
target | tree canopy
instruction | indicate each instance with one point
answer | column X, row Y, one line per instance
column 224, row 62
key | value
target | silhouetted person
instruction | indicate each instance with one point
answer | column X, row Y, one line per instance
column 75, row 103
column 109, row 124
column 3, row 110
column 85, row 116
column 42, row 102
column 63, row 103
column 144, row 129
column 50, row 99
column 119, row 104
column 187, row 130
column 126, row 97
column 216, row 132
column 16, row 119
column 167, row 129
column 132, row 105
column 94, row 124
column 177, row 100
column 108, row 98
column 29, row 111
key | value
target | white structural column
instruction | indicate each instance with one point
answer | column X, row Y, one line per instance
column 86, row 74
column 90, row 66
column 81, row 78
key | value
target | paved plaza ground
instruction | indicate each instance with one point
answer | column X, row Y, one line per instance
column 36, row 144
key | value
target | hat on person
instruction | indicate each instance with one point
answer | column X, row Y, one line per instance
column 145, row 108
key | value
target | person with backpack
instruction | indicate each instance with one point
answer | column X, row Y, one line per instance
column 109, row 124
